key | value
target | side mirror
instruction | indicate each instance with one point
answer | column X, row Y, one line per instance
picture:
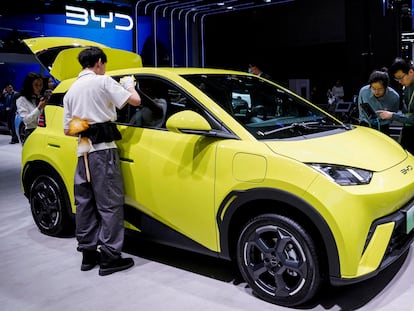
column 188, row 121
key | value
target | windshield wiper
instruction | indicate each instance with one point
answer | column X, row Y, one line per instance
column 303, row 126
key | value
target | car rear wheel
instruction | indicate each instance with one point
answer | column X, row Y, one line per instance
column 50, row 207
column 278, row 259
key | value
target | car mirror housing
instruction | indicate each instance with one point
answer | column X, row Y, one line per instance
column 187, row 121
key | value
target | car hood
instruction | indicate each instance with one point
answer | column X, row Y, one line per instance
column 59, row 55
column 361, row 147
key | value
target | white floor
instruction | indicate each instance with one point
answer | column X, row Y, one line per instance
column 38, row 272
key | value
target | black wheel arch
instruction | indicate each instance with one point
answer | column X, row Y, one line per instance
column 240, row 206
column 33, row 170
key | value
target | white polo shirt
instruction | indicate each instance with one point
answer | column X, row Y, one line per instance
column 95, row 98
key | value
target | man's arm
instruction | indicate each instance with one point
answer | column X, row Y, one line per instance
column 134, row 99
column 128, row 83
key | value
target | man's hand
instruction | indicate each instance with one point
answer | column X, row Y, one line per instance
column 384, row 114
column 127, row 82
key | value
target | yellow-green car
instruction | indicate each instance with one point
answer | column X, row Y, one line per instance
column 231, row 165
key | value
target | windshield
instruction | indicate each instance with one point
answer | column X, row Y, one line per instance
column 265, row 110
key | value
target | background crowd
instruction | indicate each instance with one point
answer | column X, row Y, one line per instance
column 20, row 111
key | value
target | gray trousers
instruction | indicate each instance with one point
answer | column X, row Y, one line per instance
column 99, row 204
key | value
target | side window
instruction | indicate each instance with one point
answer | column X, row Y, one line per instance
column 159, row 100
column 153, row 108
column 56, row 99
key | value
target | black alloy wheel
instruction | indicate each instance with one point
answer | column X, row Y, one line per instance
column 279, row 261
column 50, row 207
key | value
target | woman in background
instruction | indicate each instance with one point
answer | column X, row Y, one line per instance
column 30, row 103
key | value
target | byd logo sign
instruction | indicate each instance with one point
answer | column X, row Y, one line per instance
column 407, row 169
column 81, row 16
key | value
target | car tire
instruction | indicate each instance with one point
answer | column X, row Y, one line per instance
column 50, row 207
column 278, row 260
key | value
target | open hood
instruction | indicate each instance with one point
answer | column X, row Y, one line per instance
column 59, row 55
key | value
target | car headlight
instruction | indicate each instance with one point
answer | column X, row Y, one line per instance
column 343, row 175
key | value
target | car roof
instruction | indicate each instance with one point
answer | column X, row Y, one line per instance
column 169, row 72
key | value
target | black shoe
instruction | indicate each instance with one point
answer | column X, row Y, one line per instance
column 115, row 265
column 90, row 260
column 14, row 142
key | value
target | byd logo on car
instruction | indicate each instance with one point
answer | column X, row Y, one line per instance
column 405, row 170
column 81, row 16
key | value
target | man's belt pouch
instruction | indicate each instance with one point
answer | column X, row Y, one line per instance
column 102, row 132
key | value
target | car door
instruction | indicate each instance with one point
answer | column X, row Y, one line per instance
column 169, row 176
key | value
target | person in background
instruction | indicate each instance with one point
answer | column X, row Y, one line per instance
column 338, row 91
column 379, row 96
column 331, row 100
column 317, row 98
column 51, row 84
column 255, row 69
column 30, row 102
column 403, row 72
column 8, row 98
column 98, row 185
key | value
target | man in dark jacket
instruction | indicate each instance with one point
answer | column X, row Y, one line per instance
column 8, row 98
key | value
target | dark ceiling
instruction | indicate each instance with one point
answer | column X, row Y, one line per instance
column 192, row 14
column 199, row 8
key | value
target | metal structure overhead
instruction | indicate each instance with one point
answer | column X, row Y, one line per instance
column 192, row 13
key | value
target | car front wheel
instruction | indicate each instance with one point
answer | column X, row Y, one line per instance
column 278, row 259
column 50, row 206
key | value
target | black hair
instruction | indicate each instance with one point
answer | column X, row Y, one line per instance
column 90, row 56
column 400, row 64
column 27, row 87
column 379, row 76
column 7, row 84
column 256, row 64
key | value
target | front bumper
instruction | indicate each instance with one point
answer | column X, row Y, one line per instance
column 388, row 239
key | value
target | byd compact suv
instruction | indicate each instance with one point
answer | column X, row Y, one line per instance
column 231, row 165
